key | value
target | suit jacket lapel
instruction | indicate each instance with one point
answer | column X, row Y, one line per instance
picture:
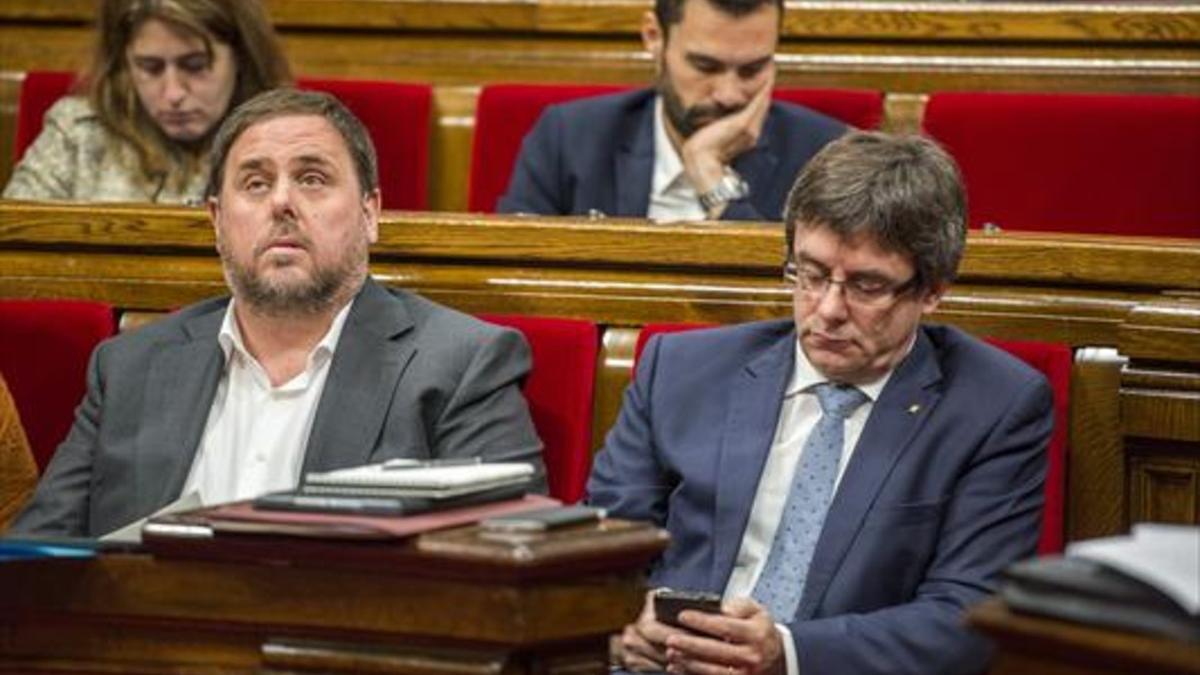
column 903, row 406
column 635, row 163
column 182, row 381
column 370, row 358
column 754, row 403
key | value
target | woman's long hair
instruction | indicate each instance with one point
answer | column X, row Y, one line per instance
column 241, row 24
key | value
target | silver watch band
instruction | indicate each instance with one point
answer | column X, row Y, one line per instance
column 731, row 187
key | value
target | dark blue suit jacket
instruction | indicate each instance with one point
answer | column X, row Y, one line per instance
column 943, row 491
column 598, row 153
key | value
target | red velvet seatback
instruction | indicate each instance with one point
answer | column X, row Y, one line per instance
column 505, row 113
column 1075, row 163
column 861, row 108
column 559, row 391
column 39, row 90
column 44, row 350
column 1054, row 361
column 397, row 115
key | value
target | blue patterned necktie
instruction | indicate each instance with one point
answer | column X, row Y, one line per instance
column 782, row 579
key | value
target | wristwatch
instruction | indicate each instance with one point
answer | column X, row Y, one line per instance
column 730, row 188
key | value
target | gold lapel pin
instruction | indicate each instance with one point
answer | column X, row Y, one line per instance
column 914, row 408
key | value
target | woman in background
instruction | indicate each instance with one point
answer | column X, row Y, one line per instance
column 18, row 474
column 164, row 75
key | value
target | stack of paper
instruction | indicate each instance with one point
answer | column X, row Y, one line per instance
column 1146, row 582
column 409, row 478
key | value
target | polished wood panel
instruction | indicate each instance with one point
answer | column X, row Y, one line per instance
column 1130, row 305
column 451, row 601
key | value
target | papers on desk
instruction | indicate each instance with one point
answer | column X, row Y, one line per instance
column 242, row 518
column 1146, row 582
column 1164, row 556
column 412, row 478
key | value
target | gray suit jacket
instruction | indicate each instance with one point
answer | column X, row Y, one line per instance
column 410, row 378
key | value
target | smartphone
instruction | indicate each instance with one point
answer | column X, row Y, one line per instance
column 669, row 603
column 540, row 520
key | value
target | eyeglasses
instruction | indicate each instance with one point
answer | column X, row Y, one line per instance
column 860, row 291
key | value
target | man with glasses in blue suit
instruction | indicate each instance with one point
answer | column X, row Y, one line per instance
column 849, row 480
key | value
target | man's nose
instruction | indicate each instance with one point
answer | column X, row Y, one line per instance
column 730, row 90
column 282, row 204
column 831, row 304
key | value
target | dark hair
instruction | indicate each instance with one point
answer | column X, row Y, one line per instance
column 289, row 102
column 241, row 24
column 903, row 191
column 670, row 12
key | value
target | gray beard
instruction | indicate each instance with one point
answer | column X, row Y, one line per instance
column 329, row 288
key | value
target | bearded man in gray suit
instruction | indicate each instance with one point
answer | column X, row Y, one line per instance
column 310, row 366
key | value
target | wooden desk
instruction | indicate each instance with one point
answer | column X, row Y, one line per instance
column 443, row 602
column 1032, row 644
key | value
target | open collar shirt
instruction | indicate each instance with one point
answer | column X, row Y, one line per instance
column 672, row 197
column 256, row 434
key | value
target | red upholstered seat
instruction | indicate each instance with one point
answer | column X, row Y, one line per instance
column 862, row 108
column 1054, row 361
column 44, row 351
column 559, row 392
column 506, row 112
column 397, row 116
column 39, row 90
column 1075, row 163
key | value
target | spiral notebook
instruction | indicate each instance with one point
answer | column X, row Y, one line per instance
column 411, row 478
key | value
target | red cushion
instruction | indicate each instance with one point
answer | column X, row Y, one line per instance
column 651, row 329
column 44, row 351
column 398, row 118
column 862, row 108
column 1075, row 163
column 506, row 112
column 39, row 90
column 1054, row 361
column 559, row 392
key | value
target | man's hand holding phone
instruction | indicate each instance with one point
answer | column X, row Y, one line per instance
column 644, row 642
column 686, row 632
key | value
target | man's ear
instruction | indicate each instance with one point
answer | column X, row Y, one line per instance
column 372, row 205
column 654, row 37
column 214, row 213
column 932, row 298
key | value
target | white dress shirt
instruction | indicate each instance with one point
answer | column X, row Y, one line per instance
column 256, row 434
column 672, row 197
column 798, row 415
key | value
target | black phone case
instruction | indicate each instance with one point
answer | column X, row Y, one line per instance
column 668, row 605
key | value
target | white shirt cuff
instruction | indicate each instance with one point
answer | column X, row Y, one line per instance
column 789, row 649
